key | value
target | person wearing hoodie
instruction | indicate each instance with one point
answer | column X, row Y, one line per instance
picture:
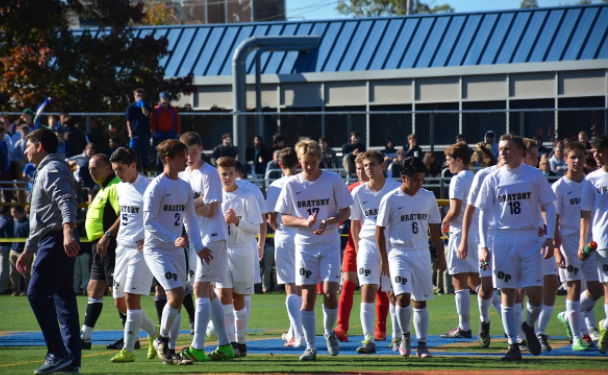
column 490, row 138
column 55, row 241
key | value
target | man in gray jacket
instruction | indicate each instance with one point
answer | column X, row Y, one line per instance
column 55, row 241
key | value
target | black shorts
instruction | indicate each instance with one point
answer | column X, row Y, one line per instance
column 102, row 266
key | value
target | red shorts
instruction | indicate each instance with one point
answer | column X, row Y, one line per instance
column 349, row 259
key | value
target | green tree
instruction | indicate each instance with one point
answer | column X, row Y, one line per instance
column 375, row 8
column 528, row 4
column 41, row 57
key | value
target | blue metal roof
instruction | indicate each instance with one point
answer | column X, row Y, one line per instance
column 449, row 40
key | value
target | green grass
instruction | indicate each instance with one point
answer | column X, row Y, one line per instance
column 269, row 315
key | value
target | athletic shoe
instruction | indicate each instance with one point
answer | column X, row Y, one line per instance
column 422, row 351
column 222, row 353
column 589, row 341
column 513, row 354
column 484, row 334
column 242, row 348
column 395, row 343
column 333, row 346
column 603, row 341
column 293, row 343
column 309, row 355
column 210, row 332
column 86, row 344
column 151, row 349
column 594, row 334
column 53, row 364
column 564, row 320
column 457, row 333
column 341, row 334
column 161, row 344
column 71, row 369
column 580, row 345
column 544, row 343
column 379, row 336
column 194, row 355
column 235, row 347
column 523, row 346
column 533, row 343
column 368, row 347
column 286, row 337
column 178, row 360
column 123, row 356
column 406, row 344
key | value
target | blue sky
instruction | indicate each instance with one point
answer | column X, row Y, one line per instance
column 325, row 9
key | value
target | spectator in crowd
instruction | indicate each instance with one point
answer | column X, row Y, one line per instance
column 389, row 152
column 565, row 141
column 412, row 149
column 61, row 147
column 584, row 139
column 394, row 169
column 74, row 138
column 29, row 171
column 590, row 163
column 557, row 164
column 274, row 164
column 64, row 117
column 488, row 159
column 433, row 169
column 138, row 127
column 278, row 143
column 114, row 144
column 328, row 155
column 476, row 159
column 545, row 166
column 350, row 152
column 27, row 117
column 4, row 120
column 5, row 162
column 224, row 149
column 80, row 165
column 6, row 231
column 165, row 123
column 541, row 148
column 460, row 138
column 21, row 226
column 490, row 138
column 52, row 123
column 258, row 154
column 20, row 160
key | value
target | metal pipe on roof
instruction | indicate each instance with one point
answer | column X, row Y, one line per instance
column 239, row 73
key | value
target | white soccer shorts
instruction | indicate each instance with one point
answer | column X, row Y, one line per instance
column 285, row 258
column 601, row 259
column 239, row 273
column 368, row 266
column 168, row 269
column 215, row 271
column 256, row 264
column 576, row 269
column 457, row 265
column 318, row 261
column 411, row 273
column 516, row 260
column 131, row 273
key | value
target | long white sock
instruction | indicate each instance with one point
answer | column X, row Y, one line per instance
column 229, row 322
column 484, row 309
column 587, row 305
column 533, row 314
column 240, row 322
column 201, row 320
column 606, row 320
column 497, row 303
column 544, row 319
column 218, row 320
column 404, row 315
column 519, row 319
column 132, row 328
column 573, row 314
column 463, row 307
column 582, row 325
column 169, row 317
column 509, row 322
column 421, row 324
column 147, row 324
column 395, row 322
column 248, row 305
column 295, row 317
column 367, row 313
column 330, row 317
column 174, row 333
column 309, row 322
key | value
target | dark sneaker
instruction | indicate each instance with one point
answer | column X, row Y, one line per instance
column 53, row 364
column 242, row 350
column 523, row 346
column 457, row 333
column 161, row 344
column 368, row 346
column 484, row 334
column 544, row 342
column 86, row 344
column 235, row 347
column 120, row 345
column 533, row 343
column 514, row 354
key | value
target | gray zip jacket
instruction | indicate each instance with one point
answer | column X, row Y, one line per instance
column 53, row 199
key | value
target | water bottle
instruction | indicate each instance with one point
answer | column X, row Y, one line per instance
column 589, row 249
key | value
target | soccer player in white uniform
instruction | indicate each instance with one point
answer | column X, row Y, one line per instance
column 132, row 278
column 314, row 202
column 568, row 190
column 285, row 251
column 511, row 196
column 206, row 188
column 242, row 216
column 464, row 272
column 595, row 204
column 168, row 206
column 363, row 216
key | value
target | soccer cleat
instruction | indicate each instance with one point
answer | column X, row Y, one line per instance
column 589, row 341
column 533, row 343
column 580, row 345
column 406, row 345
column 395, row 343
column 53, row 364
column 242, row 349
column 484, row 334
column 235, row 347
column 309, row 355
column 379, row 336
column 333, row 346
column 86, row 344
column 368, row 347
column 422, row 351
column 523, row 346
column 222, row 353
column 341, row 334
column 177, row 359
column 151, row 349
column 210, row 333
column 161, row 345
column 544, row 342
column 457, row 333
column 564, row 320
column 293, row 343
column 123, row 356
column 194, row 355
column 594, row 334
column 603, row 342
column 286, row 337
column 513, row 354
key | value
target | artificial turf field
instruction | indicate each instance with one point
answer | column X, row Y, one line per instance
column 22, row 348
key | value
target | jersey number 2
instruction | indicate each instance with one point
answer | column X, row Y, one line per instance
column 177, row 217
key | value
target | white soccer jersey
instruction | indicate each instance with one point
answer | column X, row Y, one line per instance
column 367, row 204
column 168, row 206
column 131, row 201
column 512, row 197
column 407, row 218
column 206, row 182
column 595, row 199
column 272, row 197
column 246, row 207
column 480, row 176
column 325, row 196
column 460, row 186
column 568, row 205
column 256, row 192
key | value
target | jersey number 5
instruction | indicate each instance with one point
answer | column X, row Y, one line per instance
column 124, row 219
